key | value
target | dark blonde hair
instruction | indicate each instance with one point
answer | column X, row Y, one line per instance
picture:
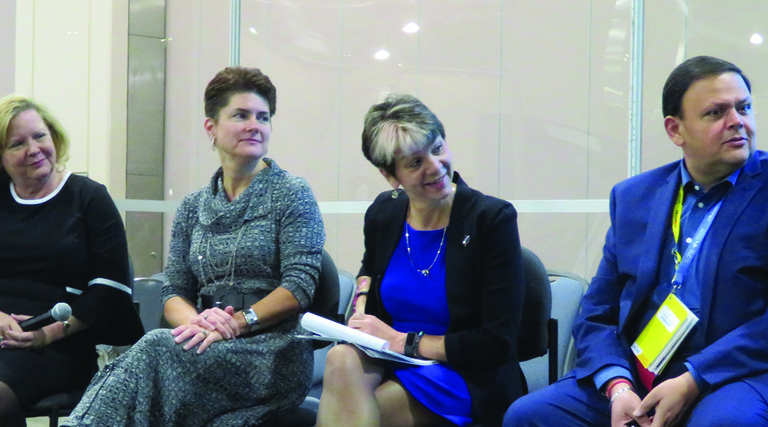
column 400, row 123
column 13, row 105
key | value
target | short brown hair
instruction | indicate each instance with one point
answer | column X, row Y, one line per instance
column 232, row 80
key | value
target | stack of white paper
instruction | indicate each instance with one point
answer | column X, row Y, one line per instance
column 373, row 346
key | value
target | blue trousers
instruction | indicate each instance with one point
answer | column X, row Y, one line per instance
column 577, row 403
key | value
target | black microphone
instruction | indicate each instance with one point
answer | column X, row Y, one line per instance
column 59, row 313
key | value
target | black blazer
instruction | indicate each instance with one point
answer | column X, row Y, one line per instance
column 484, row 286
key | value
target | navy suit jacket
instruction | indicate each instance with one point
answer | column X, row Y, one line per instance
column 734, row 291
column 485, row 288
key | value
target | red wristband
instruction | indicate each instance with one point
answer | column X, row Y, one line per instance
column 617, row 382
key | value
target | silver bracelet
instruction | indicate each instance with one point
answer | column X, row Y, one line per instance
column 618, row 392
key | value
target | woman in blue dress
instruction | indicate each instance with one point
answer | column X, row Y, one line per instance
column 441, row 279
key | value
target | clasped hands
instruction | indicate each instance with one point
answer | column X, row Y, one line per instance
column 670, row 400
column 209, row 326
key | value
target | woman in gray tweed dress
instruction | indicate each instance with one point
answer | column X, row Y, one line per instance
column 248, row 246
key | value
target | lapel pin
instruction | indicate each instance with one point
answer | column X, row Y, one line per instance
column 465, row 242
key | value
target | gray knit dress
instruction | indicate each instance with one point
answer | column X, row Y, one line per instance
column 271, row 236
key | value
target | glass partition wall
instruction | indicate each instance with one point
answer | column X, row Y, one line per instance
column 536, row 97
column 533, row 95
column 545, row 103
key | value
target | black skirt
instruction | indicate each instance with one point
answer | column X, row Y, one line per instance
column 36, row 373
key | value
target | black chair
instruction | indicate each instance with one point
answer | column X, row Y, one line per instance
column 532, row 339
column 567, row 290
column 55, row 406
column 326, row 300
column 347, row 288
column 147, row 296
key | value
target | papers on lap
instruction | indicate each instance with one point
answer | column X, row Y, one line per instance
column 372, row 346
column 663, row 334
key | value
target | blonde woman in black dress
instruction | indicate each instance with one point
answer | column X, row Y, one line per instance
column 61, row 240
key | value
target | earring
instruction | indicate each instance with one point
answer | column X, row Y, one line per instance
column 213, row 143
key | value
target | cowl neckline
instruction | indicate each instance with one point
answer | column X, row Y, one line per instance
column 220, row 215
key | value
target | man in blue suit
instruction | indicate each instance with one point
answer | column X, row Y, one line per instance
column 697, row 228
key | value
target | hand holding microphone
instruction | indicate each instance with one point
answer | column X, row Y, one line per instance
column 59, row 313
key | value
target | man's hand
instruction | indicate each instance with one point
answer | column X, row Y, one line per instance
column 622, row 410
column 671, row 399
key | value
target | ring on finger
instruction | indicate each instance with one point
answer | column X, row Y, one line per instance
column 204, row 332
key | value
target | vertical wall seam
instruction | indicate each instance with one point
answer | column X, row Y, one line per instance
column 498, row 106
column 234, row 32
column 589, row 129
column 636, row 89
column 418, row 50
column 339, row 122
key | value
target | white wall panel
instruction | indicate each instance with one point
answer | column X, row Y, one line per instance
column 61, row 69
column 71, row 57
column 7, row 47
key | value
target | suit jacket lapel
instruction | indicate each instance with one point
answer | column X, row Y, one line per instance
column 735, row 201
column 655, row 235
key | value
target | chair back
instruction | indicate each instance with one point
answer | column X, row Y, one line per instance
column 537, row 308
column 567, row 290
column 347, row 288
column 147, row 297
column 326, row 300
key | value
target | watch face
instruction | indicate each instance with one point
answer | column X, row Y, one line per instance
column 250, row 317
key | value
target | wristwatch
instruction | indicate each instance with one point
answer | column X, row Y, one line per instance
column 411, row 347
column 251, row 318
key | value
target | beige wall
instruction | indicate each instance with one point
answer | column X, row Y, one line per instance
column 534, row 95
column 8, row 47
column 71, row 56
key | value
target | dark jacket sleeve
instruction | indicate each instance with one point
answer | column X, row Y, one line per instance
column 106, row 304
column 484, row 284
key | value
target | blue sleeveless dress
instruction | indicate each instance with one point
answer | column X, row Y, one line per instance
column 418, row 303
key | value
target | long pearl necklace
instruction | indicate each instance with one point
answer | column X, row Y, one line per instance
column 424, row 272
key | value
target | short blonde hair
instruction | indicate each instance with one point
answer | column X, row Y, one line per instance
column 13, row 105
column 399, row 124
